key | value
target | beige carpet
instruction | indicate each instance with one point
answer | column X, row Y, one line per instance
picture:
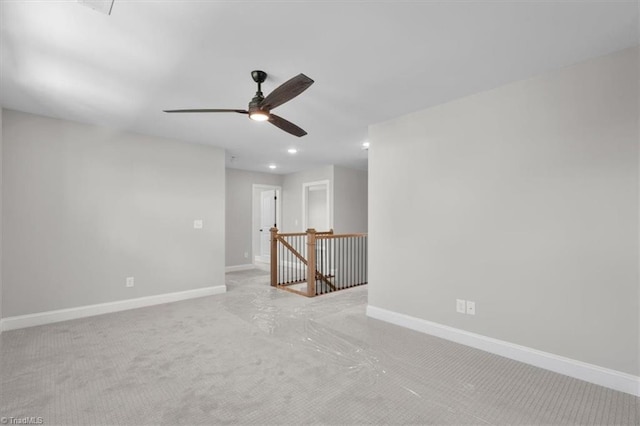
column 256, row 355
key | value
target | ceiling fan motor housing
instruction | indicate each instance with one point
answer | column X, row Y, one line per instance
column 254, row 105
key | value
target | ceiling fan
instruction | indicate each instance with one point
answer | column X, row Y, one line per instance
column 260, row 107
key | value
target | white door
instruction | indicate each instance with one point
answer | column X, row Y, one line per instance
column 267, row 221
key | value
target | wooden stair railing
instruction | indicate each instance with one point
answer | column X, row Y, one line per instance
column 321, row 252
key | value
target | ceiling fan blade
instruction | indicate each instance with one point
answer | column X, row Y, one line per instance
column 241, row 111
column 285, row 125
column 286, row 91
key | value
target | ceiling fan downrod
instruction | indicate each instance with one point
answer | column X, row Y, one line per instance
column 259, row 77
column 256, row 111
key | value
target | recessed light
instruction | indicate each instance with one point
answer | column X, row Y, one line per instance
column 292, row 150
column 272, row 166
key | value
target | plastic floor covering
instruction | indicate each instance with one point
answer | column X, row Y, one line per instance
column 257, row 355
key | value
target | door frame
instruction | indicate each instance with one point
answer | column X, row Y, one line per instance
column 256, row 210
column 305, row 202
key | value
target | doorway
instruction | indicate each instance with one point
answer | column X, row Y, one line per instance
column 266, row 215
column 316, row 206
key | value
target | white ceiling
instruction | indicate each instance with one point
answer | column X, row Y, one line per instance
column 371, row 61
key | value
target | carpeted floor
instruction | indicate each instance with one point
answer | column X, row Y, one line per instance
column 256, row 355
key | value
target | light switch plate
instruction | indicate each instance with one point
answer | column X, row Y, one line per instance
column 461, row 306
column 471, row 307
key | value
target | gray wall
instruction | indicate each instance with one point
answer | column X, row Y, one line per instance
column 239, row 213
column 350, row 200
column 349, row 211
column 523, row 199
column 1, row 113
column 86, row 207
column 292, row 195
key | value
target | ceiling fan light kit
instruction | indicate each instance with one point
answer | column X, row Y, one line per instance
column 259, row 116
column 260, row 107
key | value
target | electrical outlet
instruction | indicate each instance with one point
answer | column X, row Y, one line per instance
column 471, row 307
column 246, row 254
column 198, row 224
column 461, row 306
column 129, row 282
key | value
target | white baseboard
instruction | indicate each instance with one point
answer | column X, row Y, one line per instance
column 606, row 377
column 49, row 317
column 239, row 268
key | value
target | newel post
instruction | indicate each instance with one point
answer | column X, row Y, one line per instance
column 274, row 256
column 311, row 262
